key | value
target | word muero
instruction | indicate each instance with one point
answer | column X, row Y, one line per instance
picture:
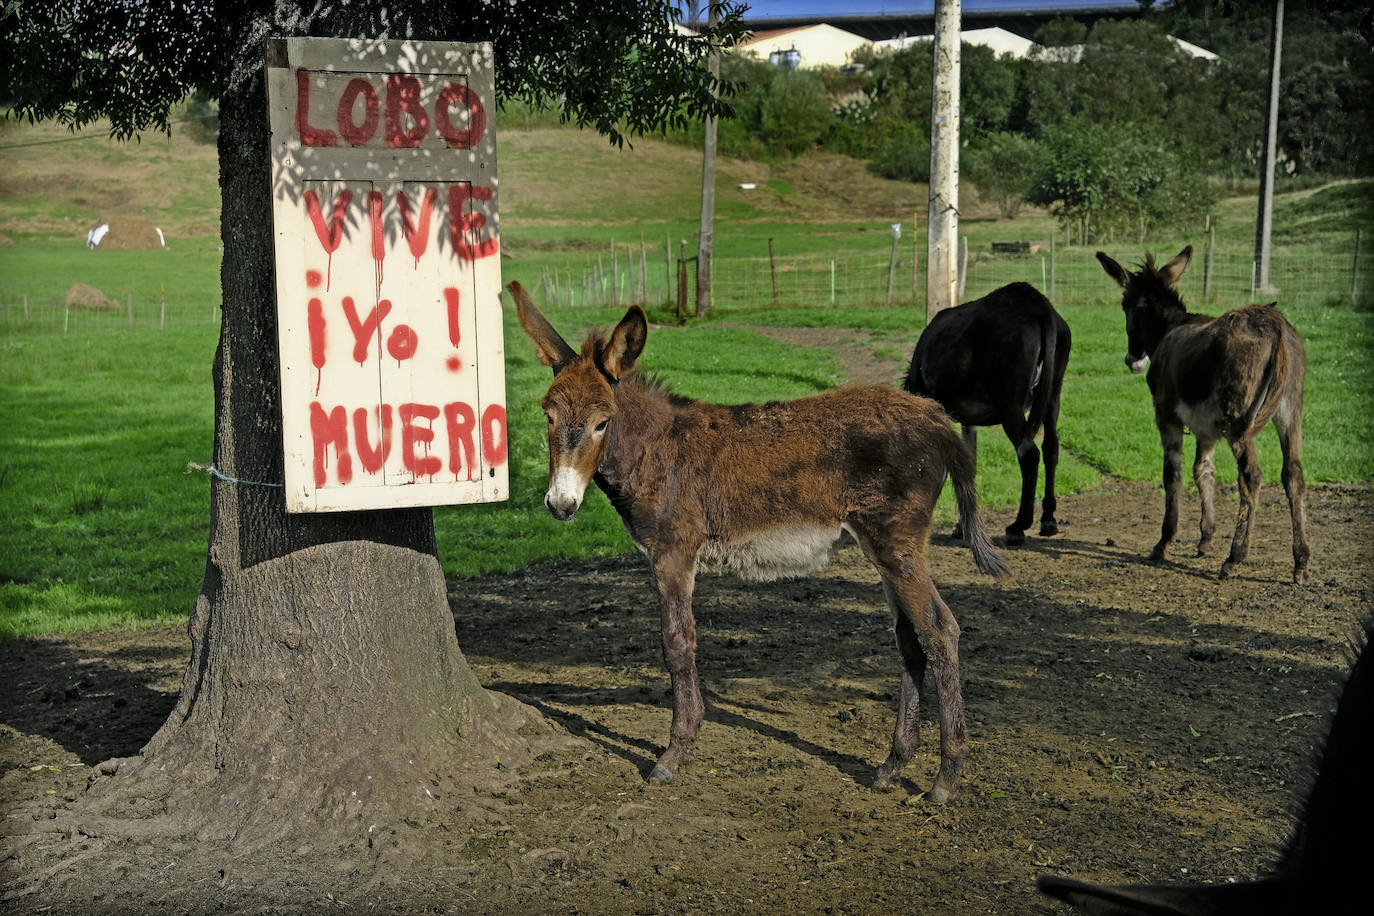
column 408, row 122
column 373, row 435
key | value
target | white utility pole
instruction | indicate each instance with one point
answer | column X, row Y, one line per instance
column 942, row 262
column 708, row 183
column 1264, row 222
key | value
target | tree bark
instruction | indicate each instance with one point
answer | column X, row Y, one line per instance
column 326, row 686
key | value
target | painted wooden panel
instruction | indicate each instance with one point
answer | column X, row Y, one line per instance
column 387, row 274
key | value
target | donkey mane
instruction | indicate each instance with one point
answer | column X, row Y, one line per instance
column 1150, row 285
column 651, row 383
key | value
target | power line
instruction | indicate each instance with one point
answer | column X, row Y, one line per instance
column 204, row 117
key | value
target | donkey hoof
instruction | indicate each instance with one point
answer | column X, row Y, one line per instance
column 1156, row 555
column 1016, row 537
column 957, row 533
column 1048, row 529
column 888, row 778
column 661, row 774
column 1300, row 575
column 1228, row 569
column 1204, row 548
column 938, row 794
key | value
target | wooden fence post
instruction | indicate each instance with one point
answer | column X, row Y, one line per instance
column 915, row 258
column 682, row 311
column 963, row 269
column 1207, row 259
column 1052, row 266
column 643, row 272
column 773, row 272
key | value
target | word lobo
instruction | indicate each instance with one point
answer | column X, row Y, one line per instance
column 460, row 428
column 409, row 122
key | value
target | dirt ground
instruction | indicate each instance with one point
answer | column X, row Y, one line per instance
column 1128, row 722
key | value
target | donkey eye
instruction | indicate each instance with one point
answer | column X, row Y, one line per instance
column 549, row 417
column 601, row 427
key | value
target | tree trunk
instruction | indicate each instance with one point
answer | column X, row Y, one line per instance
column 326, row 688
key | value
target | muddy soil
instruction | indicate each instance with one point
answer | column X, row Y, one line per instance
column 1128, row 722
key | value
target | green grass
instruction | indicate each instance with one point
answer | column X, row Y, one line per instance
column 99, row 524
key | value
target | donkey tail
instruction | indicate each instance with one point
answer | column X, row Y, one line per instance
column 1044, row 385
column 961, row 471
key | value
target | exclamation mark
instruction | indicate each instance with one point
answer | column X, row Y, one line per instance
column 454, row 331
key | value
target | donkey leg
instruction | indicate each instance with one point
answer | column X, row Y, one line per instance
column 906, row 737
column 1028, row 457
column 1288, row 422
column 971, row 440
column 1171, row 437
column 1248, row 478
column 675, row 575
column 938, row 636
column 1049, row 454
column 1204, row 475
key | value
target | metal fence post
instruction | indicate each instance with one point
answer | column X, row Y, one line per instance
column 1355, row 269
column 892, row 262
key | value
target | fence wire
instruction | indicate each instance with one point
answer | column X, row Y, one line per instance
column 1065, row 274
column 1339, row 273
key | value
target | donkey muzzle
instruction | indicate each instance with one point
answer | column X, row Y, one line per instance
column 563, row 511
column 1137, row 364
column 564, row 497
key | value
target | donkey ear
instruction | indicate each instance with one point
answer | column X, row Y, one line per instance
column 552, row 350
column 626, row 343
column 1170, row 272
column 1113, row 269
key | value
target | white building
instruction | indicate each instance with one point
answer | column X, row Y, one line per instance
column 815, row 45
column 999, row 40
column 1003, row 42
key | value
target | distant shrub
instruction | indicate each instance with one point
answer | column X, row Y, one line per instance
column 794, row 113
column 1003, row 168
column 905, row 156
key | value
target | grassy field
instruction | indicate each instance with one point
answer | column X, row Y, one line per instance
column 102, row 526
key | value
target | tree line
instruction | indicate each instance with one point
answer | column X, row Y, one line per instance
column 1115, row 127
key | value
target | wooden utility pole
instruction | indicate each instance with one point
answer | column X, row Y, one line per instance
column 942, row 225
column 1265, row 221
column 708, row 181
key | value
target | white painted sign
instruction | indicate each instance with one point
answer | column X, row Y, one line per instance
column 387, row 273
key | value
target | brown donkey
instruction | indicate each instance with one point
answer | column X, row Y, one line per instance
column 1224, row 377
column 764, row 491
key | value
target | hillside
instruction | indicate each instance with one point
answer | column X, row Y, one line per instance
column 56, row 183
column 60, row 184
